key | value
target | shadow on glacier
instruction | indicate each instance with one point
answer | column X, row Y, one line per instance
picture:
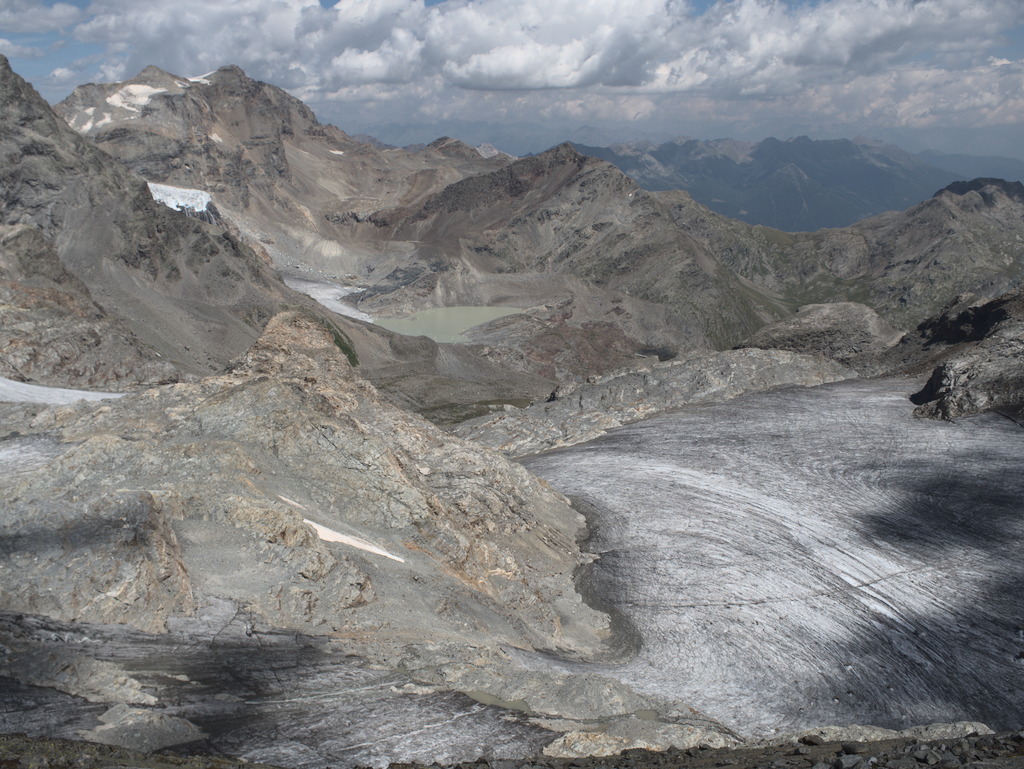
column 963, row 656
column 268, row 696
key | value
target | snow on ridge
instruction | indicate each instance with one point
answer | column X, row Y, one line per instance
column 180, row 198
column 132, row 97
column 204, row 79
column 337, row 152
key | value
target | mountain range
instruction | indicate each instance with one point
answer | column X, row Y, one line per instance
column 570, row 239
column 797, row 184
column 267, row 482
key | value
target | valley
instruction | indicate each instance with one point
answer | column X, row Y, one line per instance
column 663, row 480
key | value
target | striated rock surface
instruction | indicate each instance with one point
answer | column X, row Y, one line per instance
column 581, row 413
column 846, row 332
column 811, row 556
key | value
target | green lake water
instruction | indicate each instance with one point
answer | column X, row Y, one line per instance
column 444, row 324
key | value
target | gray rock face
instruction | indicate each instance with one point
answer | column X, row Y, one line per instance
column 905, row 265
column 846, row 332
column 982, row 353
column 584, row 412
column 190, row 293
column 297, row 189
column 167, row 497
column 142, row 730
column 52, row 330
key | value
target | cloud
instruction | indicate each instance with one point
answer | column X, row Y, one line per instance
column 27, row 16
column 905, row 61
column 7, row 48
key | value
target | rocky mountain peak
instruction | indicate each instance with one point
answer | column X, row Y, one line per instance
column 25, row 111
column 151, row 267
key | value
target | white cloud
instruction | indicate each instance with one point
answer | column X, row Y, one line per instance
column 7, row 48
column 29, row 16
column 908, row 62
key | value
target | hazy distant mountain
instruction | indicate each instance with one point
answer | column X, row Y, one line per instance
column 968, row 237
column 975, row 166
column 516, row 138
column 795, row 185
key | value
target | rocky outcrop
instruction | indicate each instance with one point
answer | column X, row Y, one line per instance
column 54, row 332
column 166, row 498
column 846, row 332
column 981, row 348
column 576, row 414
column 578, row 227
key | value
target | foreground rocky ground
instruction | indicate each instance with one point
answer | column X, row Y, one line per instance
column 992, row 751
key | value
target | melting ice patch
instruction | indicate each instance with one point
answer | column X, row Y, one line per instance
column 330, row 295
column 180, row 198
column 22, row 392
column 133, row 97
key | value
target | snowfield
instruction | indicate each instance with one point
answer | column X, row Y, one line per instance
column 180, row 198
column 134, row 97
column 20, row 392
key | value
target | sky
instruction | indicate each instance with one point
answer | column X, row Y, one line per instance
column 925, row 74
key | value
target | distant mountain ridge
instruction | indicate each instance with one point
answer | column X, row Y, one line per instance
column 796, row 185
column 604, row 269
column 975, row 166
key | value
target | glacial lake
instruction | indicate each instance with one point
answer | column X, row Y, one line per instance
column 445, row 324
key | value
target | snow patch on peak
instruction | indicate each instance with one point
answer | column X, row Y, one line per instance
column 180, row 198
column 216, row 138
column 337, row 152
column 133, row 97
column 203, row 79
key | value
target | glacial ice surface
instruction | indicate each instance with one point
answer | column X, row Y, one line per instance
column 330, row 295
column 808, row 557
